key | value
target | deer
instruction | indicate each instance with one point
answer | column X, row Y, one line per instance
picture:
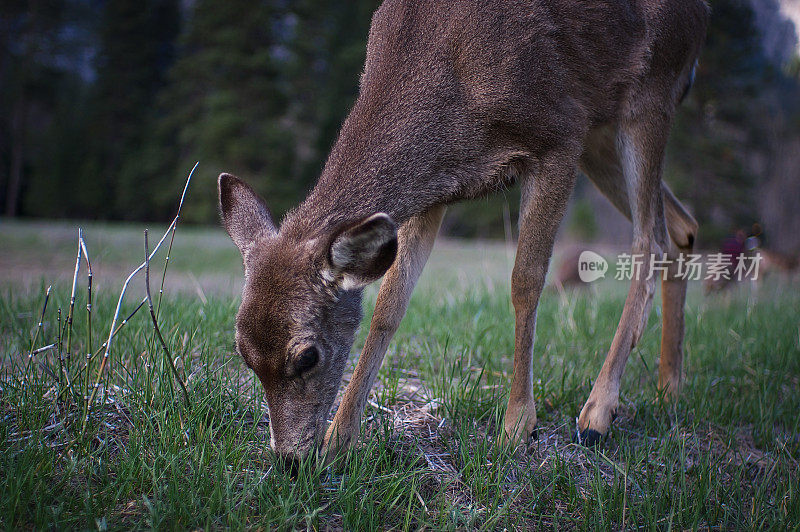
column 459, row 99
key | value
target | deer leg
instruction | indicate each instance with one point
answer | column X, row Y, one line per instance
column 544, row 201
column 640, row 145
column 601, row 163
column 682, row 229
column 415, row 241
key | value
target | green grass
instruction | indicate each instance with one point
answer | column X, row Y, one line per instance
column 724, row 456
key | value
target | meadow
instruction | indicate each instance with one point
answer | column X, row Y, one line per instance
column 724, row 456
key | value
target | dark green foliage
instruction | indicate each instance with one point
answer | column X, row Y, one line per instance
column 42, row 55
column 137, row 42
column 727, row 125
column 106, row 104
column 224, row 102
column 582, row 223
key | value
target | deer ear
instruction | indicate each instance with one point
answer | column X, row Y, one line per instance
column 361, row 253
column 244, row 214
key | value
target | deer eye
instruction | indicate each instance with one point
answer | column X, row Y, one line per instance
column 307, row 359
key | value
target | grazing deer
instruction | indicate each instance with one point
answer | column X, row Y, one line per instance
column 460, row 98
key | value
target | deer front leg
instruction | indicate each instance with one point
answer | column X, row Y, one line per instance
column 544, row 201
column 415, row 241
column 601, row 407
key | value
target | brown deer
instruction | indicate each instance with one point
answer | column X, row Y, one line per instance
column 458, row 99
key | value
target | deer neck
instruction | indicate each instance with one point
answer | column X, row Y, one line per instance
column 374, row 167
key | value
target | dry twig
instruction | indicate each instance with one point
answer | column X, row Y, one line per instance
column 171, row 240
column 142, row 266
column 156, row 328
column 40, row 323
column 39, row 326
column 89, row 276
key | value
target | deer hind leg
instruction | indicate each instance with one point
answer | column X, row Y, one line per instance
column 682, row 232
column 639, row 145
column 602, row 165
column 544, row 201
column 415, row 241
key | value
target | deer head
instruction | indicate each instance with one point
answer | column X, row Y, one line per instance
column 301, row 307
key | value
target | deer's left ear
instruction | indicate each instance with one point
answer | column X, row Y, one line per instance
column 244, row 214
column 360, row 254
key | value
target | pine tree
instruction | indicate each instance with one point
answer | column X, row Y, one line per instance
column 722, row 123
column 35, row 57
column 136, row 50
column 225, row 103
column 328, row 48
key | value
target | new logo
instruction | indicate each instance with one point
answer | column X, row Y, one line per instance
column 591, row 266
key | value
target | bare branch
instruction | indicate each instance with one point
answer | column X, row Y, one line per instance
column 108, row 342
column 43, row 349
column 171, row 240
column 89, row 276
column 40, row 323
column 64, row 358
column 155, row 322
column 90, row 356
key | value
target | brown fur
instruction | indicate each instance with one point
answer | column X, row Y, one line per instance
column 458, row 99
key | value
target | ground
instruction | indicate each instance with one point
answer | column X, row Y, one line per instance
column 725, row 455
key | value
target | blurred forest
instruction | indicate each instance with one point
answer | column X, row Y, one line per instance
column 106, row 104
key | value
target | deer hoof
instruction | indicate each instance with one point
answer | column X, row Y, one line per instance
column 516, row 439
column 336, row 445
column 520, row 423
column 588, row 438
column 290, row 465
